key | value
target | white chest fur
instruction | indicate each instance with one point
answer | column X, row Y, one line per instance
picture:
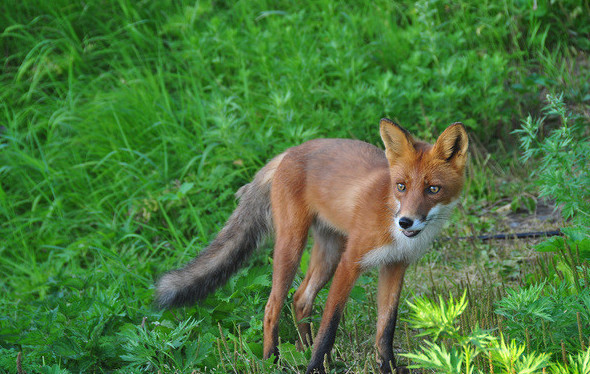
column 408, row 250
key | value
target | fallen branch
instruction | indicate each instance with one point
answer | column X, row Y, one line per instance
column 519, row 235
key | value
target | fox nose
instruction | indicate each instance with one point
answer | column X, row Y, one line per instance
column 405, row 222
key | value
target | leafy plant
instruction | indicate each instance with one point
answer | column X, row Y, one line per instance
column 437, row 319
column 166, row 348
column 545, row 317
column 578, row 364
column 564, row 155
column 453, row 351
column 563, row 175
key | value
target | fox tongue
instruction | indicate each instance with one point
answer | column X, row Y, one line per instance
column 410, row 233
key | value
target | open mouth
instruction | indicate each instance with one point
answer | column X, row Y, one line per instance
column 411, row 233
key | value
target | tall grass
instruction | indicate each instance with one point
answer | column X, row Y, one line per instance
column 127, row 127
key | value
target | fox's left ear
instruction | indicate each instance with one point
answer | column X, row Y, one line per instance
column 451, row 145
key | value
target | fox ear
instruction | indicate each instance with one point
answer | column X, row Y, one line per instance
column 451, row 145
column 396, row 139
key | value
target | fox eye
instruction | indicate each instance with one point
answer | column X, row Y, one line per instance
column 401, row 187
column 433, row 189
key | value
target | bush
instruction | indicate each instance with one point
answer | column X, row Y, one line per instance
column 452, row 350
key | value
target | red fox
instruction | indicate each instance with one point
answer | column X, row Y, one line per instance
column 365, row 207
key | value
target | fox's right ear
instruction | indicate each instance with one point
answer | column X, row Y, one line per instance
column 396, row 139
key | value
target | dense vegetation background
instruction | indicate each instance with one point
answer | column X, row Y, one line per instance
column 128, row 126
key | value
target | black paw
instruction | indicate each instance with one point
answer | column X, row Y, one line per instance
column 402, row 370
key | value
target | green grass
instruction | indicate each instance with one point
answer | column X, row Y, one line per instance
column 128, row 126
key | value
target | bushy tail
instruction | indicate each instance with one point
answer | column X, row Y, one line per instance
column 249, row 224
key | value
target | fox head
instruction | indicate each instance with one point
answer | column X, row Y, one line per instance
column 425, row 179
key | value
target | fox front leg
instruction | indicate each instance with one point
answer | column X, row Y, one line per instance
column 391, row 277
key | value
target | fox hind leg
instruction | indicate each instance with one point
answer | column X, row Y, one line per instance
column 318, row 274
column 291, row 229
column 325, row 255
column 286, row 260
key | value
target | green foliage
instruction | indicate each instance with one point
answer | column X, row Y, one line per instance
column 510, row 357
column 459, row 352
column 437, row 357
column 564, row 154
column 126, row 127
column 552, row 315
column 571, row 260
column 563, row 175
column 436, row 319
column 579, row 364
column 545, row 316
column 166, row 348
